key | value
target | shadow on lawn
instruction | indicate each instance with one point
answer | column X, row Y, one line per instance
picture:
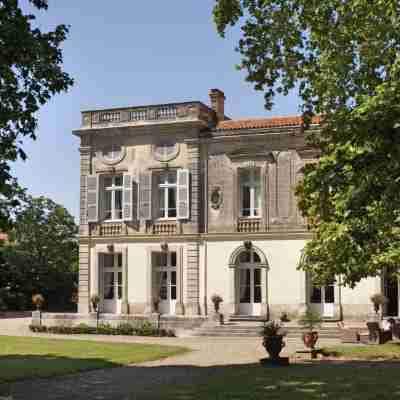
column 344, row 380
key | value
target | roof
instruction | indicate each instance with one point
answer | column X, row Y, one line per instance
column 257, row 123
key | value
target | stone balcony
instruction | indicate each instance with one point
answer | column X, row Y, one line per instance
column 249, row 225
column 145, row 115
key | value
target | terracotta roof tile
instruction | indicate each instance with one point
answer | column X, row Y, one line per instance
column 256, row 123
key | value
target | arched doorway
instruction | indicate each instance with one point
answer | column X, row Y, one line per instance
column 250, row 281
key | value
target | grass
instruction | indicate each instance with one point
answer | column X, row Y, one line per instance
column 312, row 381
column 23, row 357
column 387, row 351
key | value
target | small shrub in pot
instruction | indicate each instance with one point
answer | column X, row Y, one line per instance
column 378, row 300
column 310, row 320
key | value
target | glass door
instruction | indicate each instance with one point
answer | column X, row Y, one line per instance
column 112, row 283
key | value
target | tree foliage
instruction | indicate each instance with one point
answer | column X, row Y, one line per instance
column 343, row 58
column 42, row 255
column 30, row 74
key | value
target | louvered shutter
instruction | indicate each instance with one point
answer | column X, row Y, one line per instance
column 92, row 198
column 183, row 194
column 127, row 198
column 144, row 211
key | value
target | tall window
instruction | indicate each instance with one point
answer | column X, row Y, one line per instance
column 250, row 192
column 167, row 194
column 112, row 199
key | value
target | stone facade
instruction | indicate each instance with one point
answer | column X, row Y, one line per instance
column 179, row 202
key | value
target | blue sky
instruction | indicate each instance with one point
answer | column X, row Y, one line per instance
column 125, row 53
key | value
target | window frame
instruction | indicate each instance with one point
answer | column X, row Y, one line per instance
column 253, row 184
column 113, row 189
column 165, row 186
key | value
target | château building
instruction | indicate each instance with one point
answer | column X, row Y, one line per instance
column 180, row 202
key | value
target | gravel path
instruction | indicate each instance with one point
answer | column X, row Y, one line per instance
column 209, row 357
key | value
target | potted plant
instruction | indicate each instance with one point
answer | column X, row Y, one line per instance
column 156, row 304
column 95, row 300
column 284, row 317
column 217, row 300
column 273, row 339
column 378, row 300
column 38, row 301
column 310, row 321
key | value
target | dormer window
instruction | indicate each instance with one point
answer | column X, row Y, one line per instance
column 250, row 192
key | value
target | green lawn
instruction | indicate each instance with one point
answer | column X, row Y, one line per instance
column 361, row 379
column 312, row 381
column 22, row 357
column 388, row 351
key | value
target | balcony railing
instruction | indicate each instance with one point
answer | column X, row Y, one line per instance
column 109, row 229
column 135, row 115
column 165, row 228
column 249, row 225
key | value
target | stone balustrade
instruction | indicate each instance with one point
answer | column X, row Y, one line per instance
column 249, row 225
column 111, row 229
column 165, row 228
column 137, row 115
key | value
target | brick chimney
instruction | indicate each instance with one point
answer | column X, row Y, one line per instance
column 217, row 98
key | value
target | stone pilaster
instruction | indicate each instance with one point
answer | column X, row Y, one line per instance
column 85, row 167
column 195, row 184
column 192, row 307
column 84, row 279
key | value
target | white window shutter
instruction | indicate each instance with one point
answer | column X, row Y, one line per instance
column 92, row 198
column 183, row 208
column 144, row 205
column 127, row 198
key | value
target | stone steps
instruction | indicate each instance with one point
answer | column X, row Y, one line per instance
column 254, row 330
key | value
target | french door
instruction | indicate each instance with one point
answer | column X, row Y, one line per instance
column 166, row 282
column 323, row 300
column 112, row 283
column 249, row 288
column 164, row 270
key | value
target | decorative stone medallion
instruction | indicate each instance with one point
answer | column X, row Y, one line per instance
column 216, row 197
column 165, row 151
column 112, row 154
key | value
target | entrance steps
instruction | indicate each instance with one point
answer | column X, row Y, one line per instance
column 253, row 329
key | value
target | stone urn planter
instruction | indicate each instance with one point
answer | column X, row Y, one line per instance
column 273, row 344
column 310, row 339
column 217, row 300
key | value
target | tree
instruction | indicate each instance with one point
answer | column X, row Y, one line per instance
column 41, row 257
column 343, row 58
column 30, row 74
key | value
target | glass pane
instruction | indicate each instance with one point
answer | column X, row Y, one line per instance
column 257, row 294
column 119, row 292
column 256, row 258
column 107, row 181
column 108, row 278
column 173, row 292
column 329, row 294
column 161, row 199
column 245, row 294
column 244, row 277
column 107, row 205
column 163, row 293
column 108, row 292
column 244, row 176
column 245, row 201
column 245, row 257
column 119, row 260
column 173, row 259
column 163, row 277
column 161, row 259
column 163, row 178
column 316, row 295
column 172, row 177
column 119, row 278
column 257, row 200
column 173, row 277
column 118, row 180
column 172, row 202
column 118, row 204
column 257, row 276
column 108, row 260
